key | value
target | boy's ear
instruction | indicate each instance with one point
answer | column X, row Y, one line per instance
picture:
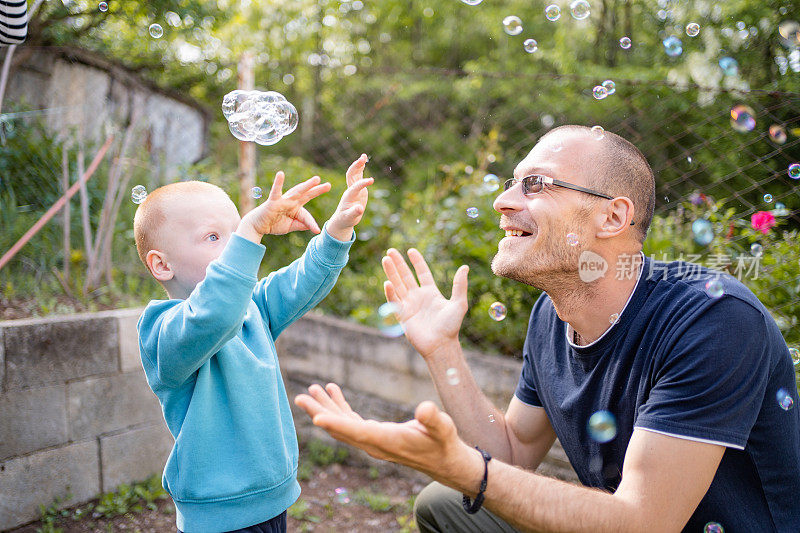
column 157, row 263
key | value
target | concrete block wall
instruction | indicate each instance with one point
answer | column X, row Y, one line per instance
column 77, row 417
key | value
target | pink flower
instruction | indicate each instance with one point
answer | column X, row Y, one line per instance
column 762, row 221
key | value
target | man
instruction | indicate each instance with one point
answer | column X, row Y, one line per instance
column 686, row 382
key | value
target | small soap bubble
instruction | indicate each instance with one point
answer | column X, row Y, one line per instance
column 602, row 426
column 472, row 212
column 692, row 29
column 552, row 12
column 491, row 418
column 613, row 318
column 599, row 92
column 743, row 118
column 138, row 194
column 756, row 250
column 388, row 324
column 672, row 46
column 512, row 25
column 794, row 171
column 103, row 6
column 795, row 353
column 785, row 399
column 572, row 239
column 625, row 43
column 789, row 34
column 768, row 198
column 256, row 192
column 491, row 183
column 713, row 527
column 610, row 86
column 497, row 311
column 472, row 2
column 703, row 231
column 580, row 9
column 156, row 31
column 598, row 132
column 341, row 495
column 729, row 66
column 777, row 133
column 530, row 45
column 452, row 376
column 714, row 288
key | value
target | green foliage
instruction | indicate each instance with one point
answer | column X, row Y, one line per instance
column 131, row 498
column 322, row 454
column 51, row 514
column 376, row 501
column 301, row 510
column 305, row 470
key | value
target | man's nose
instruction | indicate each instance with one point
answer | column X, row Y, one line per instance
column 509, row 200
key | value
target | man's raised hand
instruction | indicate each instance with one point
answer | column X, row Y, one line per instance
column 430, row 320
column 284, row 212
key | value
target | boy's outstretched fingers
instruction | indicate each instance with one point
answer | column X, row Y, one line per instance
column 277, row 185
column 356, row 169
column 307, row 219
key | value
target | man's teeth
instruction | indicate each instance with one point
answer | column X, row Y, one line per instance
column 513, row 233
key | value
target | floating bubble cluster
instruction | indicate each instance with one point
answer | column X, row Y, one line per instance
column 262, row 117
column 138, row 194
column 599, row 92
column 156, row 31
column 625, row 43
column 512, row 25
column 602, row 426
column 598, row 132
column 794, row 171
column 256, row 192
column 795, row 353
column 387, row 320
column 572, row 239
column 729, row 66
column 713, row 527
column 103, row 6
column 756, row 250
column 552, row 12
column 714, row 288
column 530, row 45
column 491, row 183
column 610, row 87
column 785, row 399
column 777, row 133
column 672, row 46
column 472, row 212
column 497, row 311
column 452, row 376
column 768, row 198
column 703, row 231
column 743, row 118
column 342, row 495
column 692, row 29
column 580, row 9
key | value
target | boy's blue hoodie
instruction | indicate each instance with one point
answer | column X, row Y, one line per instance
column 211, row 361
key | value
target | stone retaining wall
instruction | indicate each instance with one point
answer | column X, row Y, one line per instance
column 77, row 417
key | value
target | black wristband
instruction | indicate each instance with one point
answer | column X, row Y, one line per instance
column 472, row 507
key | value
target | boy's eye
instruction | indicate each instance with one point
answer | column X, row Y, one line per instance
column 213, row 237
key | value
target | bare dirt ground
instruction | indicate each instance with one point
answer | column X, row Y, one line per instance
column 377, row 502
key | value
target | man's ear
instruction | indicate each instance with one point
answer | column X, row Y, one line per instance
column 617, row 217
column 158, row 265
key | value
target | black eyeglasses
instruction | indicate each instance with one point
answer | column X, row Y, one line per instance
column 534, row 184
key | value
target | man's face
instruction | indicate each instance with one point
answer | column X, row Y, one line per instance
column 198, row 228
column 546, row 252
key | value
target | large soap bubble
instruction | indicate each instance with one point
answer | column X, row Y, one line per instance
column 263, row 117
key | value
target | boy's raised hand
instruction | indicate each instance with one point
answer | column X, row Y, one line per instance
column 283, row 212
column 353, row 203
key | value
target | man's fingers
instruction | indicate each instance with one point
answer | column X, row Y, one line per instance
column 335, row 392
column 436, row 422
column 421, row 267
column 277, row 186
column 321, row 396
column 460, row 284
column 394, row 277
column 391, row 295
column 308, row 404
column 402, row 269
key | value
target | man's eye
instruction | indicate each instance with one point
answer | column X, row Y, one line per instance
column 213, row 237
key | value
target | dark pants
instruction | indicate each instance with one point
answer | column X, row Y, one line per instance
column 438, row 508
column 274, row 525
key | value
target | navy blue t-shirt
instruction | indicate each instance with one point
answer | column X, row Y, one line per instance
column 682, row 363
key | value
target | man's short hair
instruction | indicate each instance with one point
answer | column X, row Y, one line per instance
column 622, row 170
column 152, row 214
